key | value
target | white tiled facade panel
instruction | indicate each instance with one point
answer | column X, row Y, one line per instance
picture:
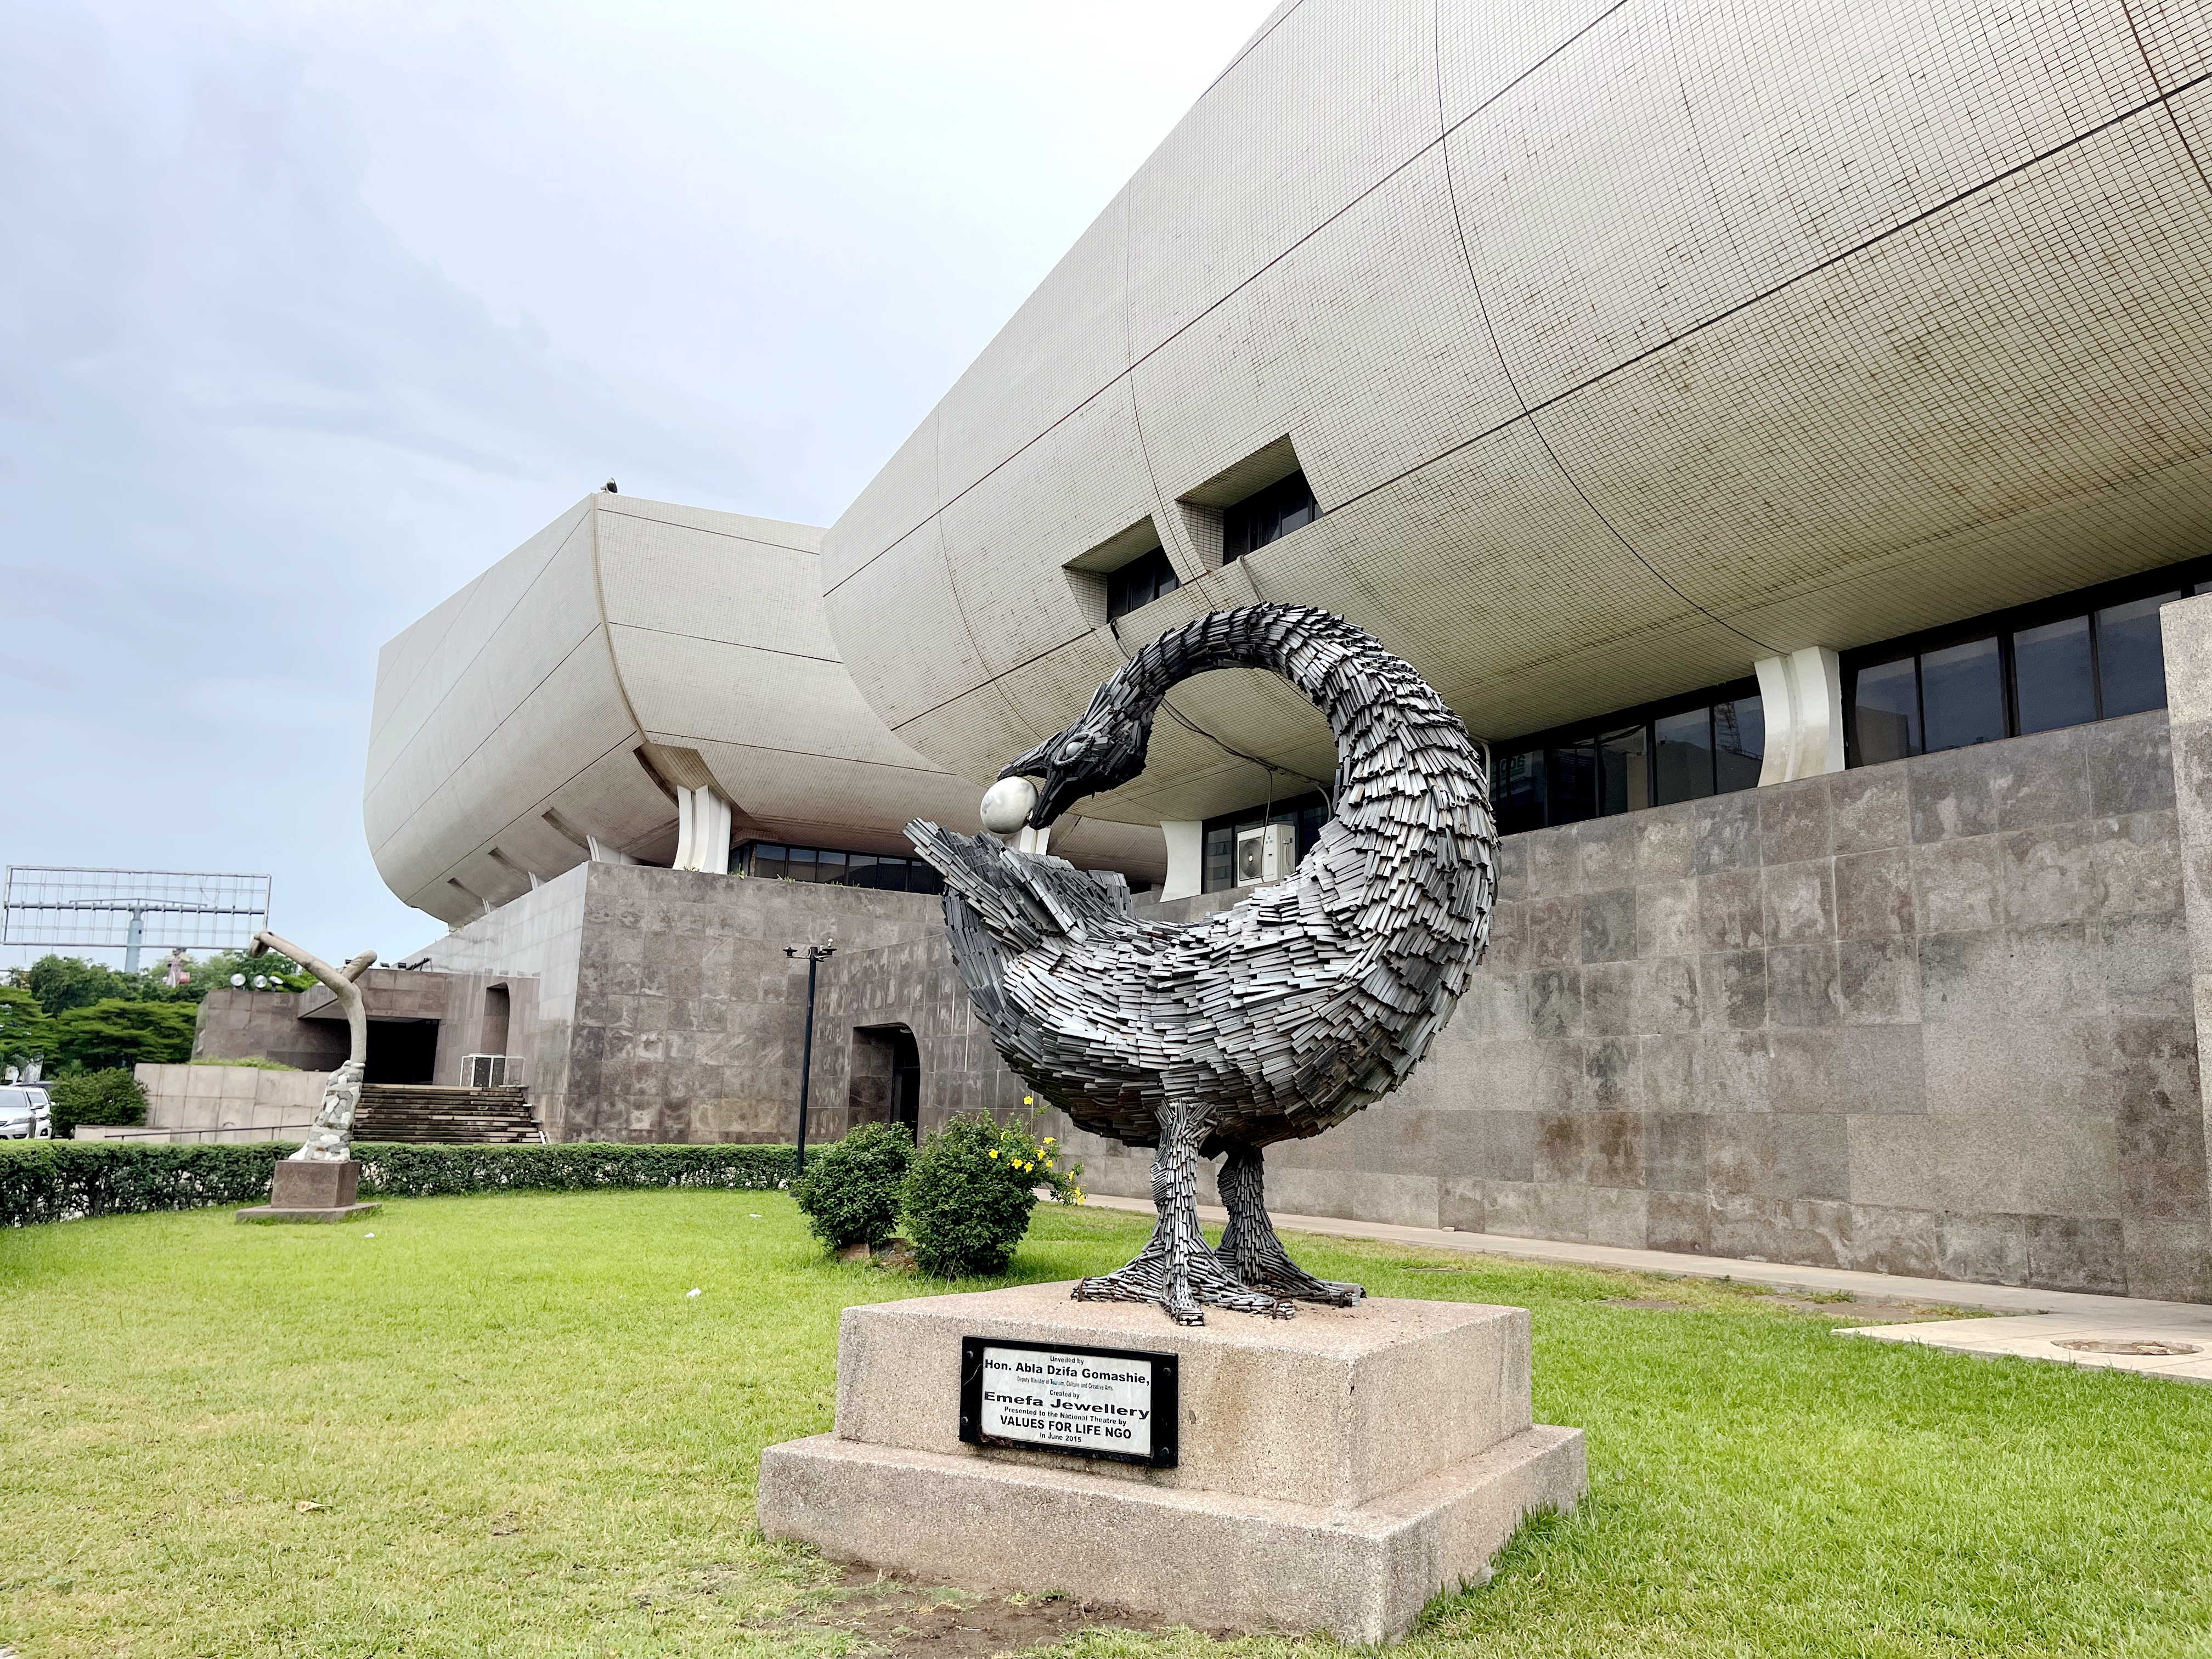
column 1622, row 344
column 629, row 622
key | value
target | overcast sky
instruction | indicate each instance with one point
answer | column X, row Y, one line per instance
column 309, row 312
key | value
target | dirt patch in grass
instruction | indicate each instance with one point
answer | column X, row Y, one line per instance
column 896, row 1619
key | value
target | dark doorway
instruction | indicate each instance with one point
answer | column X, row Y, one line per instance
column 906, row 1081
column 403, row 1051
column 497, row 1005
column 885, row 1083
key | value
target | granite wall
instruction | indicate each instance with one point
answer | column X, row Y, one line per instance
column 1931, row 1018
column 667, row 1011
column 307, row 1029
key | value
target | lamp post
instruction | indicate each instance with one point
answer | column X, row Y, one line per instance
column 815, row 956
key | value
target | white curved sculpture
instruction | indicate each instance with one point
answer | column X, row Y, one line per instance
column 330, row 1139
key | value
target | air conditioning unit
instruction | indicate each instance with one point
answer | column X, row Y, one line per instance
column 1266, row 852
column 487, row 1071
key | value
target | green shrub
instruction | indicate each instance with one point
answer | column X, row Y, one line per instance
column 62, row 1181
column 969, row 1196
column 850, row 1192
column 103, row 1097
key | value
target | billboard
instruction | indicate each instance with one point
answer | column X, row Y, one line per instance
column 127, row 910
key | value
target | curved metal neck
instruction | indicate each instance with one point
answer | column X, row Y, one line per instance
column 1384, row 716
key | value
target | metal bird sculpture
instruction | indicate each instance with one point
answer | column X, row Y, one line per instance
column 1272, row 1021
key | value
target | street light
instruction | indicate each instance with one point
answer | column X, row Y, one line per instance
column 815, row 956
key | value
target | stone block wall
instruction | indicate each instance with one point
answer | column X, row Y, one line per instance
column 684, row 1020
column 1932, row 1017
column 244, row 1024
column 205, row 1103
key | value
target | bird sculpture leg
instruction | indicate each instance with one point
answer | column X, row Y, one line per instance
column 1250, row 1247
column 1177, row 1270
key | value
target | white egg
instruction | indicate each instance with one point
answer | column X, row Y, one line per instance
column 1008, row 804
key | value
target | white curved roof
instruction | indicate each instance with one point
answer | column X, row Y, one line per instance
column 1623, row 344
column 508, row 721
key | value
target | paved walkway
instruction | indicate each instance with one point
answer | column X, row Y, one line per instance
column 2178, row 1335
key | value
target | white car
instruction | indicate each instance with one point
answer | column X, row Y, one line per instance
column 25, row 1114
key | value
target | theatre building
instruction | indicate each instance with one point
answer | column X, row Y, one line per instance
column 1784, row 436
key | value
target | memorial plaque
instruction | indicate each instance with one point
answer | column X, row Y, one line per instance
column 1094, row 1402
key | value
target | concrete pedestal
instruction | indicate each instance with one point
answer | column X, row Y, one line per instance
column 1336, row 1470
column 301, row 1191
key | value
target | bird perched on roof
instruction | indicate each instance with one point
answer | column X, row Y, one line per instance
column 1272, row 1021
column 610, row 487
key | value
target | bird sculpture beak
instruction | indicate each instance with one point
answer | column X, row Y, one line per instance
column 1057, row 786
column 1056, row 792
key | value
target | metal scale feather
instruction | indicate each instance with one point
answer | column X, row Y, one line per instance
column 1272, row 1021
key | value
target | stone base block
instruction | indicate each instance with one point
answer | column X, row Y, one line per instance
column 1209, row 1558
column 1332, row 1471
column 304, row 1190
column 337, row 1212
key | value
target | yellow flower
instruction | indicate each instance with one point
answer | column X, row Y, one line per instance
column 994, row 1151
column 1048, row 1140
column 1029, row 1100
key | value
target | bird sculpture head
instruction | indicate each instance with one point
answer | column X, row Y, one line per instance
column 1103, row 751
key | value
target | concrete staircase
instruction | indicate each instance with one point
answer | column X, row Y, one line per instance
column 422, row 1114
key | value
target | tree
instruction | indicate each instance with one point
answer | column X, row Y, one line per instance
column 123, row 1032
column 26, row 1033
column 213, row 972
column 61, row 983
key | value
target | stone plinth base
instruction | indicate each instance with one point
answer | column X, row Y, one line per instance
column 1336, row 1470
column 301, row 1191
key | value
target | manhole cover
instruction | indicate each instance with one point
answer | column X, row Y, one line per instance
column 2146, row 1348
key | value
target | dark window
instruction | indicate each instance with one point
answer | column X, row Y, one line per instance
column 2058, row 679
column 2131, row 657
column 1518, row 792
column 1624, row 780
column 1684, row 749
column 1139, row 582
column 883, row 871
column 1962, row 695
column 2089, row 655
column 1682, row 756
column 1739, row 743
column 1573, row 792
column 1267, row 516
column 1888, row 710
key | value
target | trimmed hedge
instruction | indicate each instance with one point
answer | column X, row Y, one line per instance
column 65, row 1179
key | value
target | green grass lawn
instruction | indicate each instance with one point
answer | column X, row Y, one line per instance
column 499, row 1427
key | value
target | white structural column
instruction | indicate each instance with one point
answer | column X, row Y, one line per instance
column 1803, row 695
column 702, row 831
column 1186, row 839
column 603, row 854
